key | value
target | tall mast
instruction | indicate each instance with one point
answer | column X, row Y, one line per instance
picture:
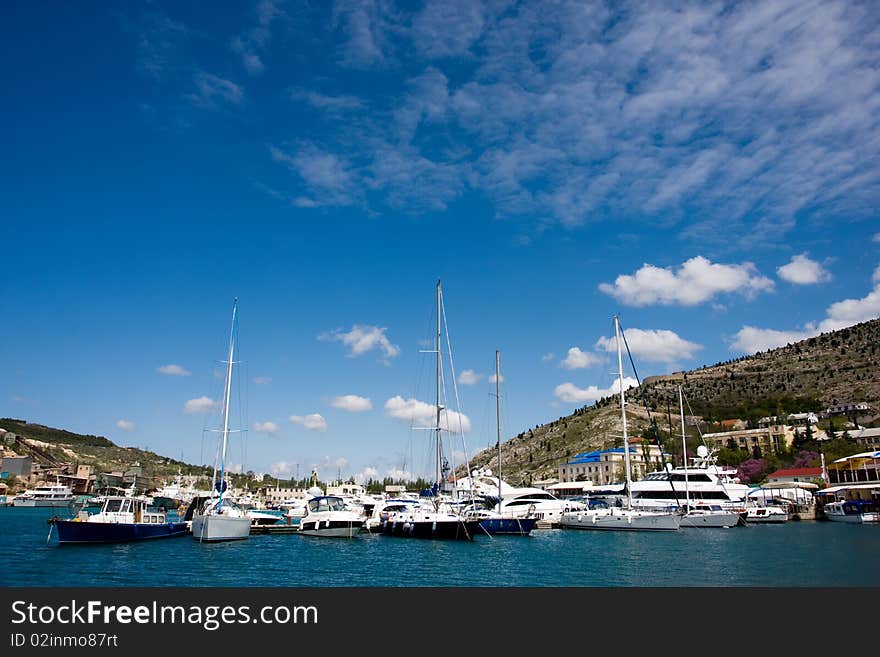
column 437, row 479
column 623, row 413
column 684, row 449
column 498, row 417
column 226, row 404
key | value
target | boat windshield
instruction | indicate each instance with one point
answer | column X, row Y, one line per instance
column 327, row 504
column 112, row 506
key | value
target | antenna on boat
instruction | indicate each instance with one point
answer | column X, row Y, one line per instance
column 437, row 399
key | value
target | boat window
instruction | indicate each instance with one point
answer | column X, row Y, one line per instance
column 112, row 506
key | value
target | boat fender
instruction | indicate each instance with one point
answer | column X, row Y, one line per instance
column 434, row 526
column 594, row 520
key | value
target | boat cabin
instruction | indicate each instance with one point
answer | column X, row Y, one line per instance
column 128, row 510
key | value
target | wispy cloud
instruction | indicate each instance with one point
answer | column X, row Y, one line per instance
column 590, row 112
column 125, row 425
column 697, row 280
column 352, row 403
column 546, row 358
column 250, row 43
column 363, row 338
column 569, row 392
column 801, row 270
column 212, row 91
column 494, row 379
column 173, row 370
column 199, row 405
column 421, row 414
column 262, row 380
column 661, row 346
column 311, row 422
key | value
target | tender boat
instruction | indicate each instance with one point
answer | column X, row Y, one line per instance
column 121, row 519
column 328, row 515
column 852, row 511
column 770, row 513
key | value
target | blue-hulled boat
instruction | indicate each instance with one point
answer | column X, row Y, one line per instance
column 121, row 519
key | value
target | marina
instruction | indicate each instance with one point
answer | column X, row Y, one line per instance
column 794, row 554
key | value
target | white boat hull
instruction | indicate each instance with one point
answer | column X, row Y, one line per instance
column 621, row 520
column 854, row 518
column 336, row 530
column 722, row 519
column 213, row 528
column 42, row 503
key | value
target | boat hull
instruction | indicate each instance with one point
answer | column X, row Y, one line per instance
column 75, row 531
column 43, row 503
column 331, row 528
column 215, row 528
column 507, row 526
column 463, row 530
column 711, row 520
column 640, row 521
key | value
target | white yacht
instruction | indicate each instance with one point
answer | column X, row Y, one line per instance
column 853, row 511
column 45, row 496
column 704, row 481
column 328, row 515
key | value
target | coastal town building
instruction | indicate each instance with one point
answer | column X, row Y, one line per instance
column 870, row 438
column 795, row 475
column 863, row 467
column 774, row 437
column 606, row 466
column 842, row 409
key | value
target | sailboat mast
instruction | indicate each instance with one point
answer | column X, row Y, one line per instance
column 226, row 404
column 439, row 361
column 684, row 449
column 498, row 417
column 623, row 413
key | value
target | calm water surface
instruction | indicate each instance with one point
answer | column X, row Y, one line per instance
column 806, row 553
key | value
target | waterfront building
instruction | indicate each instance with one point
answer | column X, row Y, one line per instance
column 863, row 467
column 795, row 475
column 606, row 466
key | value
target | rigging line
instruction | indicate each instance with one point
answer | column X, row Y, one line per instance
column 457, row 400
column 650, row 416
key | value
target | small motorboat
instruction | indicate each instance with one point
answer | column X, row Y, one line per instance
column 770, row 513
column 121, row 519
column 328, row 515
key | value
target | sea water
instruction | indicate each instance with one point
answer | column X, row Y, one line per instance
column 794, row 554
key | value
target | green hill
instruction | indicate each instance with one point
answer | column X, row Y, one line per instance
column 811, row 375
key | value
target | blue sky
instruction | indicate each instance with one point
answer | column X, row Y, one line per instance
column 709, row 171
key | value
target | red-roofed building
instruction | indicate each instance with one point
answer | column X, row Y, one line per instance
column 793, row 475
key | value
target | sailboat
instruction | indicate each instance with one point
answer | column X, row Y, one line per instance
column 494, row 521
column 624, row 518
column 432, row 517
column 218, row 518
column 701, row 513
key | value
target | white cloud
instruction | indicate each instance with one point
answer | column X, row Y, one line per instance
column 341, row 463
column 569, row 392
column 492, row 379
column 399, row 474
column 838, row 315
column 696, row 281
column 173, row 370
column 363, row 338
column 265, row 427
column 548, row 357
column 421, row 414
column 250, row 43
column 876, row 237
column 199, row 405
column 365, row 475
column 662, row 346
column 311, row 422
column 125, row 425
column 469, row 377
column 262, row 380
column 803, row 271
column 577, row 359
column 352, row 403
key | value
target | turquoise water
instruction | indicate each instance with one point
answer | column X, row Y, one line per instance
column 806, row 553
